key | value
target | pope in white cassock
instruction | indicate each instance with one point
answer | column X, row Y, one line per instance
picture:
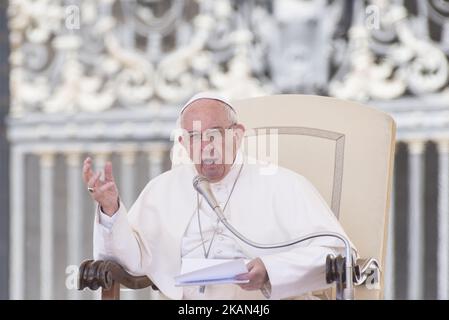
column 170, row 221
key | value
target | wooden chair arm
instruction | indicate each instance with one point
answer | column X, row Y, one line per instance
column 109, row 275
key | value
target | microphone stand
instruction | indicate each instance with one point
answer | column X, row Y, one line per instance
column 201, row 184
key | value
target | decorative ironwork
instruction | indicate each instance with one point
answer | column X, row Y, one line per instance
column 133, row 54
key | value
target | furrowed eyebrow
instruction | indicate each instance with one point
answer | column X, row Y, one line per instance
column 213, row 128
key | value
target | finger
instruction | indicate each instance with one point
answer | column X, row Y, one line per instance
column 87, row 170
column 250, row 265
column 243, row 276
column 246, row 286
column 107, row 186
column 93, row 181
column 108, row 176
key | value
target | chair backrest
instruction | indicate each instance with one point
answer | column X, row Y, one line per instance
column 344, row 148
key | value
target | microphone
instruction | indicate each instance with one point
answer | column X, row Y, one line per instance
column 202, row 186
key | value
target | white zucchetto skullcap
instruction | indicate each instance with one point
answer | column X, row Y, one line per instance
column 206, row 95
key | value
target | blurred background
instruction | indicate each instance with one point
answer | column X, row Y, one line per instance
column 107, row 78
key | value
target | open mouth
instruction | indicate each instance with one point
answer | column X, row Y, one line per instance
column 210, row 161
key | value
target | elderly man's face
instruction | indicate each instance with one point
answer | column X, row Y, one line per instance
column 210, row 138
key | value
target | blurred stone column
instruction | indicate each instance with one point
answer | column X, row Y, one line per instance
column 443, row 221
column 17, row 225
column 4, row 150
column 127, row 193
column 156, row 153
column 100, row 155
column 127, row 177
column 74, row 214
column 46, row 194
column 416, row 220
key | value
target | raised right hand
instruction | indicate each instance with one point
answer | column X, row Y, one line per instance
column 105, row 191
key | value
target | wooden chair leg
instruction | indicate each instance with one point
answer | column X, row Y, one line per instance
column 111, row 294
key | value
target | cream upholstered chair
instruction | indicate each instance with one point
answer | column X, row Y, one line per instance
column 345, row 149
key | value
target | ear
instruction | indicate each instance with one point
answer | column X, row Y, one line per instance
column 184, row 143
column 239, row 132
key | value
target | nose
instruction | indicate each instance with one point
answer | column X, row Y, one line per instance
column 208, row 148
column 209, row 141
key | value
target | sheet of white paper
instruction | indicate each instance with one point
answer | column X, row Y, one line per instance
column 196, row 272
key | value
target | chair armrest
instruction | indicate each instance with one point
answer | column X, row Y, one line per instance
column 109, row 275
column 365, row 272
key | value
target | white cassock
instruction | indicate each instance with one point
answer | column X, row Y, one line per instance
column 162, row 228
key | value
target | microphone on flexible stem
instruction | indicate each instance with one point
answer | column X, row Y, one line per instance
column 202, row 186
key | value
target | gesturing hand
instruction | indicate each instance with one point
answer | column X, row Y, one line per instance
column 105, row 191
